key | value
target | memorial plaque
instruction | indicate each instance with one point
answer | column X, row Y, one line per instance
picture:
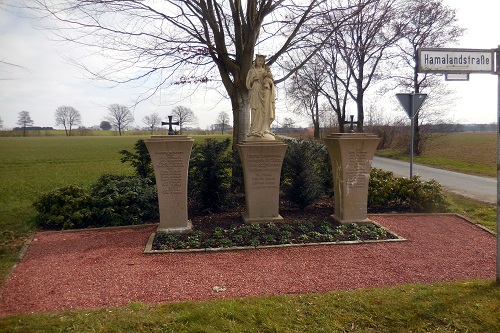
column 262, row 161
column 170, row 156
column 351, row 155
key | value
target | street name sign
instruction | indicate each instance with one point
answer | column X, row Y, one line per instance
column 439, row 60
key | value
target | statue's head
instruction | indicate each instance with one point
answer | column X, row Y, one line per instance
column 260, row 57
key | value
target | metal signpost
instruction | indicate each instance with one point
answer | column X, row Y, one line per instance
column 498, row 164
column 462, row 62
column 411, row 103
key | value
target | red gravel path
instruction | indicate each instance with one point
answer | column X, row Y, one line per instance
column 89, row 269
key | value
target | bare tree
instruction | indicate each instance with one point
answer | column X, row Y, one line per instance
column 305, row 92
column 152, row 121
column 24, row 120
column 119, row 117
column 223, row 120
column 362, row 44
column 68, row 116
column 336, row 88
column 190, row 41
column 428, row 23
column 184, row 116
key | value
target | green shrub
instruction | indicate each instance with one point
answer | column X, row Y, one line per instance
column 324, row 165
column 140, row 161
column 300, row 176
column 112, row 200
column 124, row 200
column 237, row 178
column 209, row 175
column 64, row 208
column 389, row 193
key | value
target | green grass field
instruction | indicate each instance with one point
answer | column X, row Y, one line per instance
column 34, row 165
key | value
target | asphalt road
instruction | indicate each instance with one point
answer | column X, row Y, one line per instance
column 479, row 188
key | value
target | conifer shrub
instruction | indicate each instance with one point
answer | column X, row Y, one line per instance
column 301, row 179
column 140, row 160
column 64, row 208
column 209, row 175
column 123, row 200
column 113, row 200
column 237, row 178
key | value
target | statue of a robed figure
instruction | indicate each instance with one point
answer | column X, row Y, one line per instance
column 260, row 84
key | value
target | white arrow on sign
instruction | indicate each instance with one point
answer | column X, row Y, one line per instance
column 411, row 102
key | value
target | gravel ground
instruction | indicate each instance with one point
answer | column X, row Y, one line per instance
column 103, row 268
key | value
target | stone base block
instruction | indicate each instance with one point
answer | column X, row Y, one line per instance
column 348, row 221
column 181, row 230
column 261, row 220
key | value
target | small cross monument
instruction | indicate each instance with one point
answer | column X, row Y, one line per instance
column 351, row 124
column 170, row 123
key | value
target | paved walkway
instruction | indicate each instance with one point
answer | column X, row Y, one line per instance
column 103, row 268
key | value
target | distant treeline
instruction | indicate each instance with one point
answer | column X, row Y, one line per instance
column 463, row 127
column 33, row 128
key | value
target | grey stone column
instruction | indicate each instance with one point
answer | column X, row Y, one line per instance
column 170, row 156
column 262, row 161
column 351, row 155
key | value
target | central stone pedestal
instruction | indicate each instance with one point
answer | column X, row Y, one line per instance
column 170, row 157
column 262, row 161
column 351, row 155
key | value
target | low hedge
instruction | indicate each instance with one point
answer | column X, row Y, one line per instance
column 121, row 200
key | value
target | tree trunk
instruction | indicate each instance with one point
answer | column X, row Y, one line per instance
column 341, row 124
column 316, row 118
column 241, row 115
column 361, row 116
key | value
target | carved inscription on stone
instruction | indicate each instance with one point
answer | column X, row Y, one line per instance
column 170, row 166
column 356, row 169
column 264, row 170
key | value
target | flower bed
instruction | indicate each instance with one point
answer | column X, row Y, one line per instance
column 254, row 235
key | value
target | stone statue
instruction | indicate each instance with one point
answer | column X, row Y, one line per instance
column 261, row 88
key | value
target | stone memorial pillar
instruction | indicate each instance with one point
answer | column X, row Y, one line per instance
column 170, row 157
column 262, row 161
column 351, row 155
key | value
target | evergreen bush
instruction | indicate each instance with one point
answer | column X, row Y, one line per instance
column 140, row 160
column 301, row 179
column 209, row 175
column 113, row 200
column 64, row 208
column 237, row 179
column 124, row 200
column 388, row 193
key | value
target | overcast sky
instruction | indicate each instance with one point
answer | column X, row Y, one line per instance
column 44, row 80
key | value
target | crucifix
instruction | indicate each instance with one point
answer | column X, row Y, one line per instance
column 170, row 123
column 351, row 124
